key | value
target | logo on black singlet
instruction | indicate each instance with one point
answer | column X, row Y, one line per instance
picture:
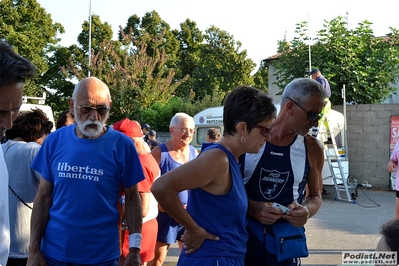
column 271, row 183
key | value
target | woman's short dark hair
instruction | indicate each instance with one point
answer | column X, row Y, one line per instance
column 248, row 104
column 30, row 126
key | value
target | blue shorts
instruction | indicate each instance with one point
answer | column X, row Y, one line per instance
column 168, row 229
column 209, row 261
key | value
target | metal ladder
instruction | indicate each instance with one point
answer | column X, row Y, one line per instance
column 341, row 182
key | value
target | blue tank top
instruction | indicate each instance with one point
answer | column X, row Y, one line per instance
column 278, row 174
column 221, row 215
column 168, row 163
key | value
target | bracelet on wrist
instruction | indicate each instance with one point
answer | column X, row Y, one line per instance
column 306, row 208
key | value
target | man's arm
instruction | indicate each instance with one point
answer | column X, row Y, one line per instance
column 156, row 153
column 134, row 215
column 392, row 165
column 299, row 213
column 314, row 185
column 393, row 161
column 40, row 216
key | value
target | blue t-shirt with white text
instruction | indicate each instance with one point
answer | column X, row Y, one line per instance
column 87, row 177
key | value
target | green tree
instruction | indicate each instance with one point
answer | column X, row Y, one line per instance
column 365, row 64
column 213, row 61
column 293, row 59
column 29, row 28
column 100, row 32
column 190, row 39
column 222, row 66
column 136, row 80
column 261, row 77
column 60, row 78
column 155, row 33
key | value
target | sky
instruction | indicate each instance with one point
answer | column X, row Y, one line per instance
column 257, row 24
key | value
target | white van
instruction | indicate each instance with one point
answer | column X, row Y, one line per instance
column 26, row 107
column 209, row 118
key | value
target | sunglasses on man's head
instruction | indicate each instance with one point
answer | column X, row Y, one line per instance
column 312, row 116
column 101, row 110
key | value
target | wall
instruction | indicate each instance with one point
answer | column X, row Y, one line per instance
column 163, row 136
column 368, row 130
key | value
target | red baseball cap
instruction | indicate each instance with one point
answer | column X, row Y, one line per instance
column 130, row 128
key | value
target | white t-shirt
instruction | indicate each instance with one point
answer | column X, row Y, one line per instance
column 4, row 214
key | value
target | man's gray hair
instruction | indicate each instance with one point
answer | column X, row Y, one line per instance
column 302, row 89
column 179, row 117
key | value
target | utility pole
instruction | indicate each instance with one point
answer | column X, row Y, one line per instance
column 88, row 74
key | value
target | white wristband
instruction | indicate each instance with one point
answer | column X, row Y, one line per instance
column 135, row 240
column 306, row 208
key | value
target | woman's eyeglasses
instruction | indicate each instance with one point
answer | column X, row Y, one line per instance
column 101, row 110
column 312, row 116
column 264, row 131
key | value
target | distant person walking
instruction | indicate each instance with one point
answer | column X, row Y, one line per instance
column 316, row 75
column 152, row 139
column 146, row 129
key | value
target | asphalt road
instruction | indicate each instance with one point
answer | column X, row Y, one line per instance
column 340, row 226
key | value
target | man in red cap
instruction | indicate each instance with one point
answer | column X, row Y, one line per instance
column 149, row 204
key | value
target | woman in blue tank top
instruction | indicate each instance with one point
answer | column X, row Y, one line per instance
column 215, row 217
